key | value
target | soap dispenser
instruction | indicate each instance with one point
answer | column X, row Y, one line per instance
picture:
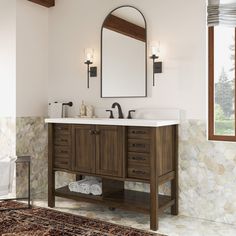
column 82, row 110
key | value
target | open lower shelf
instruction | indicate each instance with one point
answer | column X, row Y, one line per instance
column 126, row 199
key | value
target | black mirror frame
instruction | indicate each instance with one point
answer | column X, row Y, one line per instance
column 145, row 22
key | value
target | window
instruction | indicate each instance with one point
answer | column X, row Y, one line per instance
column 222, row 112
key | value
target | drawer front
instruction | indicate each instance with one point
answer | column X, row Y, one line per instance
column 138, row 158
column 61, row 151
column 139, row 133
column 62, row 139
column 62, row 129
column 136, row 145
column 139, row 172
column 62, row 162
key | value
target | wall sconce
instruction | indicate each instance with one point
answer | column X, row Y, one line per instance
column 157, row 66
column 91, row 71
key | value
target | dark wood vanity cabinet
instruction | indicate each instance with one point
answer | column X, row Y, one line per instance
column 117, row 154
column 84, row 149
column 62, row 146
column 110, row 144
column 99, row 149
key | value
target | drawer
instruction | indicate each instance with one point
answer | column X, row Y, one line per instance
column 62, row 139
column 139, row 172
column 138, row 158
column 138, row 145
column 62, row 129
column 62, row 163
column 62, row 151
column 139, row 132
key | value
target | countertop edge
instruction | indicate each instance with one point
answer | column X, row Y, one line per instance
column 116, row 122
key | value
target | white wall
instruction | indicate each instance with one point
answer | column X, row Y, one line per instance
column 179, row 26
column 31, row 59
column 7, row 58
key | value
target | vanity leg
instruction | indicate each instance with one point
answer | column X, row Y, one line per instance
column 174, row 182
column 154, row 206
column 154, row 173
column 51, row 173
column 51, row 189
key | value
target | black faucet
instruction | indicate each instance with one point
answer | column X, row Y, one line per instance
column 116, row 104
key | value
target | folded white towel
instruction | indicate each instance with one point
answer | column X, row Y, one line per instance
column 96, row 189
column 84, row 186
column 76, row 186
column 7, row 165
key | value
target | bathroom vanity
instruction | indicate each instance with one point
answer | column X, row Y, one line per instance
column 116, row 150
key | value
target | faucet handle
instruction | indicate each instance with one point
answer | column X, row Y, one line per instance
column 129, row 115
column 111, row 114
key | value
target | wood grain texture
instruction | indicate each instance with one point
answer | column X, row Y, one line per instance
column 117, row 154
column 85, row 149
column 165, row 151
column 109, row 150
column 124, row 27
column 154, row 182
column 124, row 199
column 51, row 174
column 62, row 146
column 211, row 92
column 45, row 3
column 110, row 186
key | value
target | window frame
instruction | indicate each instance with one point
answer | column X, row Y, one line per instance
column 211, row 87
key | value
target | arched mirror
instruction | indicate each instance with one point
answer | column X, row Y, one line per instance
column 124, row 54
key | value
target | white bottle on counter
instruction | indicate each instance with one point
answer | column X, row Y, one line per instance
column 82, row 110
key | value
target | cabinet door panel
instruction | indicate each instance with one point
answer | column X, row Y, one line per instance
column 110, row 150
column 84, row 149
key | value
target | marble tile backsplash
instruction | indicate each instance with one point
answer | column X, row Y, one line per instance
column 32, row 139
column 207, row 175
column 207, row 170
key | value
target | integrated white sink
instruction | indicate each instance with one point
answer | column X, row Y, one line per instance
column 106, row 121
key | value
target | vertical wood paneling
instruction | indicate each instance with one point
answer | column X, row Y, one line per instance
column 84, row 148
column 109, row 150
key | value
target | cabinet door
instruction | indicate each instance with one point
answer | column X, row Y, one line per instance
column 110, row 144
column 84, row 155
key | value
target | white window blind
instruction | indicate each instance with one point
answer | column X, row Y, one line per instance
column 222, row 12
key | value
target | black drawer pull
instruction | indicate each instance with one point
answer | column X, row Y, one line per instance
column 138, row 158
column 92, row 132
column 63, row 140
column 138, row 132
column 64, row 152
column 139, row 172
column 61, row 163
column 139, row 145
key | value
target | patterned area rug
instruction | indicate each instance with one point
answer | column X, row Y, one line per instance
column 45, row 222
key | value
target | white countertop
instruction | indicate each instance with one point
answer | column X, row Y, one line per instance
column 106, row 121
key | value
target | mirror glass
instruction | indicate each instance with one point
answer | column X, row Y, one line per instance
column 123, row 54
